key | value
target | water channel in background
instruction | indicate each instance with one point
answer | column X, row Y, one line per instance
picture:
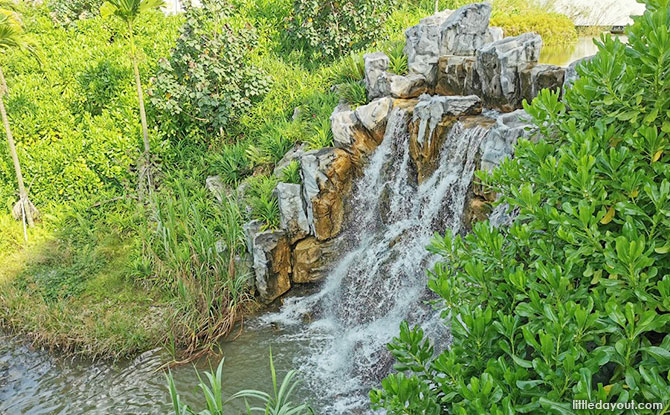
column 35, row 382
column 563, row 55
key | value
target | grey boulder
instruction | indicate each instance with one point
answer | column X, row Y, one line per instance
column 498, row 66
column 292, row 216
column 376, row 64
column 465, row 30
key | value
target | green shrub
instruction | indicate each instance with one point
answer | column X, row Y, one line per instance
column 353, row 93
column 554, row 28
column 332, row 29
column 572, row 301
column 209, row 79
column 71, row 127
column 66, row 12
column 291, row 173
column 101, row 85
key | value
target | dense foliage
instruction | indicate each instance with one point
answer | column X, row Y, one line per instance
column 572, row 300
column 332, row 28
column 553, row 27
column 66, row 12
column 69, row 115
column 209, row 79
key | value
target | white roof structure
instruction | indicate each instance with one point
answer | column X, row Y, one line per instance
column 176, row 6
column 598, row 12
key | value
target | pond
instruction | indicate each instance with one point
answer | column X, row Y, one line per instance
column 37, row 382
column 563, row 55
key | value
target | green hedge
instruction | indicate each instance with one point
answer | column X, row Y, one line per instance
column 554, row 28
column 572, row 302
column 74, row 118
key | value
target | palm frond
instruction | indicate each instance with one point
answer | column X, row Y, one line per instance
column 12, row 35
column 129, row 10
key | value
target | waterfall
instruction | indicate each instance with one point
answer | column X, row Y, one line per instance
column 381, row 279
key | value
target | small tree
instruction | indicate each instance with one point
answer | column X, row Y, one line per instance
column 210, row 79
column 128, row 11
column 12, row 36
column 333, row 28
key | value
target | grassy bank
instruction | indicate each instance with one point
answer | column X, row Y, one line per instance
column 75, row 295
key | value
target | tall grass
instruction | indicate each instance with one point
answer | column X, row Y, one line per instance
column 210, row 290
column 231, row 163
column 354, row 93
column 397, row 58
column 322, row 136
column 291, row 173
column 263, row 203
column 280, row 402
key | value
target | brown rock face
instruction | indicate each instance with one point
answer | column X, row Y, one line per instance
column 360, row 131
column 427, row 155
column 456, row 75
column 364, row 143
column 405, row 104
column 537, row 77
column 327, row 177
column 272, row 264
column 281, row 267
column 476, row 210
column 309, row 259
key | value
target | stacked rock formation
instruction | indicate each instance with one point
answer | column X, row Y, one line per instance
column 457, row 65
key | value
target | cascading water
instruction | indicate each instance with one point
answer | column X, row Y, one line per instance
column 381, row 280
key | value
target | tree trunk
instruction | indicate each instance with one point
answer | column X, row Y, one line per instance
column 437, row 6
column 27, row 209
column 145, row 181
column 140, row 97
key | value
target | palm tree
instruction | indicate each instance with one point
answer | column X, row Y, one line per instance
column 128, row 11
column 12, row 36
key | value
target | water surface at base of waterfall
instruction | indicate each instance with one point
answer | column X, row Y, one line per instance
column 336, row 336
column 35, row 382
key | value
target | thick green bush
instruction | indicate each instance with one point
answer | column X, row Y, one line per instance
column 209, row 79
column 554, row 28
column 333, row 28
column 70, row 116
column 572, row 301
column 66, row 12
